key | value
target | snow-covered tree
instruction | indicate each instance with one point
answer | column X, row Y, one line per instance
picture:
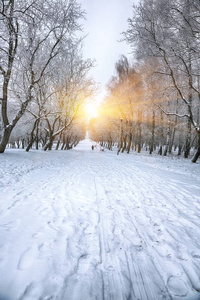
column 167, row 32
column 33, row 35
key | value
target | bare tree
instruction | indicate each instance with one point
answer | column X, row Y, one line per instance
column 169, row 30
column 33, row 35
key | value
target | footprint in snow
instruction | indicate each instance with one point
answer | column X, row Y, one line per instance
column 196, row 254
column 83, row 263
column 11, row 225
column 46, row 246
column 27, row 258
column 177, row 286
column 37, row 235
column 44, row 211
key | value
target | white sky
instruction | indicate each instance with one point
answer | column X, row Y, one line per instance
column 106, row 19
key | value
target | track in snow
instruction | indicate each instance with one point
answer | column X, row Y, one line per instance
column 86, row 225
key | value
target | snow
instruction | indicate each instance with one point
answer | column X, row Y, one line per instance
column 86, row 225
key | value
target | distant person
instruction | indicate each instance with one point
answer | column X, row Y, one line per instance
column 92, row 147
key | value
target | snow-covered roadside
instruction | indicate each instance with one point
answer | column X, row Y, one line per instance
column 173, row 163
column 85, row 224
column 16, row 162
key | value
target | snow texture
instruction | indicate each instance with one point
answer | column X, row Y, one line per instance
column 86, row 225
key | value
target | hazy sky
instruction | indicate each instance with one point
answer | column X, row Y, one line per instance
column 106, row 19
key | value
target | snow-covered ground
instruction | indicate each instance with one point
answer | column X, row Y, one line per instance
column 86, row 225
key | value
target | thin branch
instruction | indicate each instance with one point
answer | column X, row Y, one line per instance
column 171, row 114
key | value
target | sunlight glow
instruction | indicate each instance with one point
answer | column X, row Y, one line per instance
column 91, row 110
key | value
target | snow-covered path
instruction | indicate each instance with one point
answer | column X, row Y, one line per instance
column 86, row 225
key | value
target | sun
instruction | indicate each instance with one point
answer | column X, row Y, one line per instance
column 91, row 110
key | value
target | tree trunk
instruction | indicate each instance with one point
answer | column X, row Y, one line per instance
column 32, row 136
column 7, row 128
column 197, row 154
column 139, row 138
column 160, row 151
column 129, row 142
column 23, row 143
column 67, row 147
column 5, row 138
column 110, row 142
column 49, row 145
column 121, row 137
column 168, row 138
column 18, row 143
column 188, row 139
column 124, row 147
column 63, row 141
column 152, row 133
column 172, row 140
column 59, row 140
column 37, row 136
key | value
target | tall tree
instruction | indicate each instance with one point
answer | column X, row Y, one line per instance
column 169, row 30
column 34, row 33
